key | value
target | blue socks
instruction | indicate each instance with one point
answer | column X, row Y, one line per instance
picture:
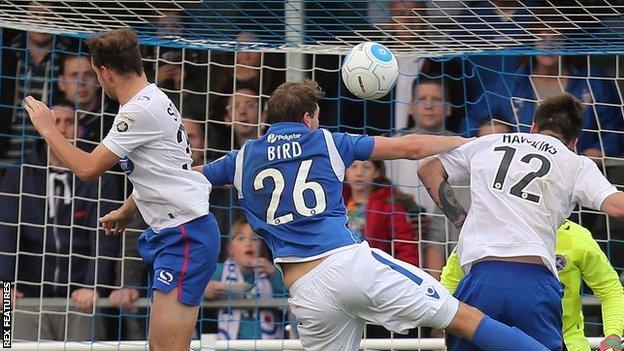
column 492, row 335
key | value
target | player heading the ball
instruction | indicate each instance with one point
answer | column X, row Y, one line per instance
column 148, row 140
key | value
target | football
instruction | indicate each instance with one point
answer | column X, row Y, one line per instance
column 370, row 70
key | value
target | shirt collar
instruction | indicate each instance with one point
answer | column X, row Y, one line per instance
column 288, row 127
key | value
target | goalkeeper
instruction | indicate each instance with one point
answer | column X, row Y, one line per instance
column 578, row 257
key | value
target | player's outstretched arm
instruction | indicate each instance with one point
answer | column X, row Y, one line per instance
column 613, row 205
column 86, row 166
column 434, row 177
column 414, row 146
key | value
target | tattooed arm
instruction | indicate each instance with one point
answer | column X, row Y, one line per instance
column 434, row 177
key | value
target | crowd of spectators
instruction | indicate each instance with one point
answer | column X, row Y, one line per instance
column 48, row 218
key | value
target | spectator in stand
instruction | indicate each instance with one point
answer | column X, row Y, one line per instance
column 196, row 139
column 540, row 77
column 429, row 110
column 495, row 126
column 29, row 65
column 50, row 224
column 169, row 74
column 246, row 118
column 77, row 83
column 245, row 121
column 170, row 19
column 378, row 213
column 180, row 73
column 247, row 273
column 260, row 72
column 246, row 70
column 499, row 21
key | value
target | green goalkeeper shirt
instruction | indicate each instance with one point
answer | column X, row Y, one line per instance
column 578, row 257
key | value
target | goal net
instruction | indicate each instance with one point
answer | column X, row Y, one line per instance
column 466, row 67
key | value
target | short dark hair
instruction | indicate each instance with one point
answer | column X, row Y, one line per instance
column 62, row 102
column 561, row 114
column 431, row 79
column 117, row 49
column 291, row 100
column 63, row 58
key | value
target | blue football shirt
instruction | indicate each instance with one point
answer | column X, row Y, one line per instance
column 289, row 183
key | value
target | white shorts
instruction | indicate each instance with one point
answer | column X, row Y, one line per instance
column 334, row 300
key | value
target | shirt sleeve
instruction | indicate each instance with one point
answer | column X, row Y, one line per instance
column 591, row 188
column 132, row 127
column 457, row 163
column 221, row 171
column 353, row 147
column 452, row 272
column 600, row 276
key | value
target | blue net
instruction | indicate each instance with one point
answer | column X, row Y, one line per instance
column 422, row 27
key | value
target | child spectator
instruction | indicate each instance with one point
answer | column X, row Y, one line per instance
column 246, row 274
column 378, row 213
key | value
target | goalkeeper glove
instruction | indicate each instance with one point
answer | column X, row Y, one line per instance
column 611, row 343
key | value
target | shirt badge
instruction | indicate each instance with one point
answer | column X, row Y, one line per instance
column 560, row 262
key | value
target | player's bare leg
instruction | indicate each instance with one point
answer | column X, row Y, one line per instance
column 171, row 323
column 471, row 324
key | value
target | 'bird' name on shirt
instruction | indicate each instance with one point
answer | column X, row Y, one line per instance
column 284, row 151
column 540, row 145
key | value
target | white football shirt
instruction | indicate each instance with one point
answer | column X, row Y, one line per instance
column 523, row 186
column 149, row 137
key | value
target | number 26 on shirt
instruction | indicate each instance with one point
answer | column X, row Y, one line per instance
column 300, row 186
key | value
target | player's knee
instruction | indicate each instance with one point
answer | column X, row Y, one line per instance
column 171, row 323
column 167, row 335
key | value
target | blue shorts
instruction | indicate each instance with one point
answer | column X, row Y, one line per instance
column 522, row 295
column 183, row 257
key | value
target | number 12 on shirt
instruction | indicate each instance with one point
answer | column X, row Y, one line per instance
column 518, row 188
